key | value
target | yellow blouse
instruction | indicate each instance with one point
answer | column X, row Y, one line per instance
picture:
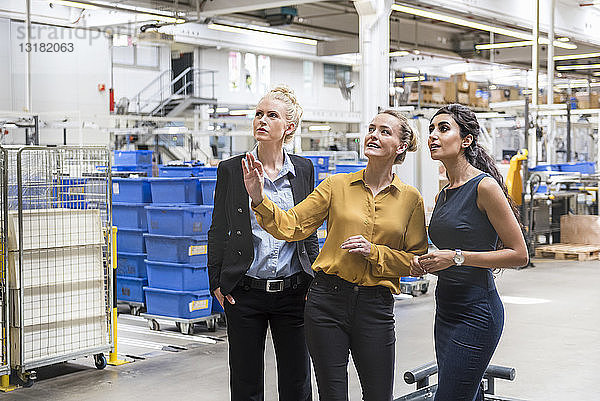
column 393, row 221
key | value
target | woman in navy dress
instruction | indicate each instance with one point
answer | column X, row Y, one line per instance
column 475, row 228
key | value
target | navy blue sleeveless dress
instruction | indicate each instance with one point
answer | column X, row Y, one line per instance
column 469, row 314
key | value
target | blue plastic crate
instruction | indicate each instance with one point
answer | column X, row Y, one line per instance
column 133, row 157
column 579, row 167
column 175, row 249
column 216, row 306
column 319, row 162
column 409, row 279
column 321, row 243
column 207, row 186
column 70, row 192
column 131, row 264
column 180, row 304
column 209, row 171
column 177, row 276
column 179, row 219
column 545, row 167
column 175, row 190
column 130, row 240
column 180, row 171
column 349, row 168
column 131, row 289
column 131, row 190
column 145, row 171
column 129, row 215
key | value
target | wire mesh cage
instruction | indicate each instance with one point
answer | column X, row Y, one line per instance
column 60, row 275
column 4, row 346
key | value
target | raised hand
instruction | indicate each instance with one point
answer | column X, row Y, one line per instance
column 254, row 178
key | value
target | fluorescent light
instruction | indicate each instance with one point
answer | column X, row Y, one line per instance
column 492, row 87
column 522, row 43
column 399, row 53
column 235, row 29
column 241, row 112
column 219, row 110
column 75, row 4
column 319, row 128
column 596, row 74
column 577, row 67
column 410, row 79
column 563, row 39
column 472, row 24
column 577, row 56
column 410, row 70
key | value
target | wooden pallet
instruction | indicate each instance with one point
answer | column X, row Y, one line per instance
column 568, row 251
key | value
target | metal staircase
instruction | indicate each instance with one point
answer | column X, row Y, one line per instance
column 173, row 98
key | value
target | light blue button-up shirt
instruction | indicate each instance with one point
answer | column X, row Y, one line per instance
column 272, row 257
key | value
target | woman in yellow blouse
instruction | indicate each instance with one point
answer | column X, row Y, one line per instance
column 375, row 226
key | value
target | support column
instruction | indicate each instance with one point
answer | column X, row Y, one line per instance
column 550, row 132
column 535, row 63
column 374, row 27
column 28, row 103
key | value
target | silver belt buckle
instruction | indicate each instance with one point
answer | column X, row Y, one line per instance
column 274, row 285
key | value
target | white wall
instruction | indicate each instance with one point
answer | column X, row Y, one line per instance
column 287, row 71
column 61, row 81
column 129, row 81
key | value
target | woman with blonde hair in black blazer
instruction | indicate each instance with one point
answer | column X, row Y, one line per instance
column 261, row 281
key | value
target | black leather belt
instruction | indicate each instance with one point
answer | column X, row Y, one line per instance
column 274, row 285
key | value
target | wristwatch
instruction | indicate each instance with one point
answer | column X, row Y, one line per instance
column 459, row 258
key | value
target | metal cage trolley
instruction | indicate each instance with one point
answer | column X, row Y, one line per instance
column 4, row 329
column 59, row 259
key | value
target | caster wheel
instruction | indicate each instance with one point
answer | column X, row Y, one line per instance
column 211, row 325
column 134, row 310
column 100, row 361
column 178, row 325
column 24, row 380
column 153, row 325
column 186, row 328
column 222, row 321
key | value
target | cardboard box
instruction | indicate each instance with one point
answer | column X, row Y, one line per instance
column 504, row 95
column 447, row 91
column 462, row 85
column 580, row 229
column 463, row 98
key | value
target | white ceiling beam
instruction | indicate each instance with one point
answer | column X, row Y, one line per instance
column 213, row 8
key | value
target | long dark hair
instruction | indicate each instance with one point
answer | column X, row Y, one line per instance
column 475, row 154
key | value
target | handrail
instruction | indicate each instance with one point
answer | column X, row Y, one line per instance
column 160, row 97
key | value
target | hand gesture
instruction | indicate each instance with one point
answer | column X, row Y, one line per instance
column 357, row 244
column 416, row 270
column 436, row 261
column 254, row 178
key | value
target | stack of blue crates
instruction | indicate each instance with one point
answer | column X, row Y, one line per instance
column 349, row 168
column 130, row 197
column 321, row 166
column 178, row 222
column 138, row 161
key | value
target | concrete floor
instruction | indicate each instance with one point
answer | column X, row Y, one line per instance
column 551, row 337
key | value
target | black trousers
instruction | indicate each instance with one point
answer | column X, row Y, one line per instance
column 247, row 322
column 342, row 317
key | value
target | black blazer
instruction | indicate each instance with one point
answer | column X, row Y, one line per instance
column 230, row 245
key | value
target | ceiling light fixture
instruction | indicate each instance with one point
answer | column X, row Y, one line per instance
column 577, row 67
column 506, row 45
column 399, row 53
column 235, row 29
column 475, row 25
column 319, row 128
column 410, row 79
column 75, row 4
column 241, row 112
column 577, row 56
